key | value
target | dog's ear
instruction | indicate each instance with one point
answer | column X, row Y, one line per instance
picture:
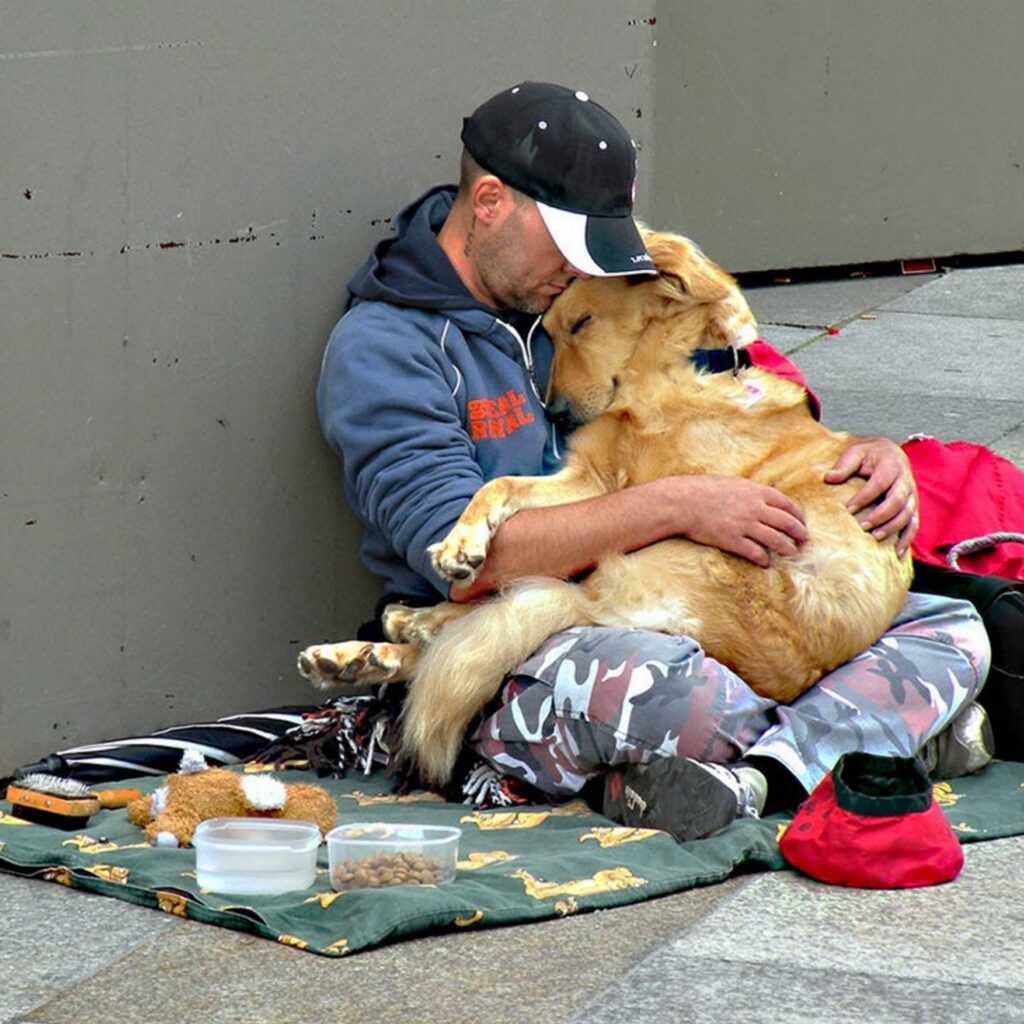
column 688, row 279
column 685, row 270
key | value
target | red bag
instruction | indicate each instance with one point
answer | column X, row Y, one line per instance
column 972, row 508
column 873, row 823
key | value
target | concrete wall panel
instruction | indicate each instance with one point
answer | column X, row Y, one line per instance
column 806, row 133
column 184, row 190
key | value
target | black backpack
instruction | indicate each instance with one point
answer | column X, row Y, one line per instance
column 1000, row 603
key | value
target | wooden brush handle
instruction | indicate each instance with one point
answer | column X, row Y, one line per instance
column 117, row 797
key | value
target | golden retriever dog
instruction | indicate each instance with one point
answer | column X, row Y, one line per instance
column 621, row 360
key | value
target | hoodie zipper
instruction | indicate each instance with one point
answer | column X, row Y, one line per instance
column 527, row 358
column 532, row 374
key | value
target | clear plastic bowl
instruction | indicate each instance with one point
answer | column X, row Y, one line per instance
column 377, row 855
column 256, row 855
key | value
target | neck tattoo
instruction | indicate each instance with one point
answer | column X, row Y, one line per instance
column 467, row 247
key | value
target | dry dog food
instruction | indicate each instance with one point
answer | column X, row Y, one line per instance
column 387, row 869
column 370, row 855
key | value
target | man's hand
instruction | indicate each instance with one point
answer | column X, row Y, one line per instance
column 886, row 471
column 743, row 517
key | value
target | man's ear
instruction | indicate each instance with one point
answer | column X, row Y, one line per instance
column 490, row 199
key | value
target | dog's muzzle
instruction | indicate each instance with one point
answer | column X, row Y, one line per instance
column 561, row 413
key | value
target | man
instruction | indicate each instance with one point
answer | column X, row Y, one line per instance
column 432, row 384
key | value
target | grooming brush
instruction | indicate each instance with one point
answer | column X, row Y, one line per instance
column 61, row 803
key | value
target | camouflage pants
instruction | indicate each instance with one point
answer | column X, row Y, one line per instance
column 595, row 697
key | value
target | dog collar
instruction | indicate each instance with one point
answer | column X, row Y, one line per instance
column 721, row 360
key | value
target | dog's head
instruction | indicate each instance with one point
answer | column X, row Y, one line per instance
column 605, row 328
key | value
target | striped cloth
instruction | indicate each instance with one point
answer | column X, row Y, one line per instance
column 225, row 741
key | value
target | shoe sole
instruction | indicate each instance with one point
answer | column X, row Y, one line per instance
column 674, row 795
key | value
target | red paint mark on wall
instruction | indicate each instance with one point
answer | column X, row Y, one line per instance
column 27, row 193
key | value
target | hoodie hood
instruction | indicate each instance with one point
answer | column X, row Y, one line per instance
column 410, row 268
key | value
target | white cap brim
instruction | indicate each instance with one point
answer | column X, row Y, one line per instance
column 598, row 246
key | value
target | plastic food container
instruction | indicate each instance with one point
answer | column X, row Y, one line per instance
column 373, row 856
column 255, row 855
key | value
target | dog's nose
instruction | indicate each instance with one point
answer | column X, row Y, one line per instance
column 561, row 412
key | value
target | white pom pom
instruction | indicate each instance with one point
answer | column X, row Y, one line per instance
column 165, row 839
column 192, row 762
column 264, row 793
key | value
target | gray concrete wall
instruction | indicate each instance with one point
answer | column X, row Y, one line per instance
column 797, row 133
column 184, row 189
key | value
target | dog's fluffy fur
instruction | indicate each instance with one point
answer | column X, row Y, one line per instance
column 621, row 360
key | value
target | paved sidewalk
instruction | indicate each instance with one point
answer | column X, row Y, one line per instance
column 937, row 354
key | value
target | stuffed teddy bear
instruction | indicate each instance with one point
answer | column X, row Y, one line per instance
column 171, row 813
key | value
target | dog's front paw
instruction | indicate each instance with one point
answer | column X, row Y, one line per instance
column 327, row 665
column 459, row 556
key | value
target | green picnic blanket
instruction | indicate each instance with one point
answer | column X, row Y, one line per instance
column 517, row 865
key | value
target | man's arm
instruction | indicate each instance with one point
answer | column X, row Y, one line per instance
column 386, row 404
column 731, row 513
column 737, row 515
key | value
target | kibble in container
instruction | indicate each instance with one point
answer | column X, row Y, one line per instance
column 376, row 855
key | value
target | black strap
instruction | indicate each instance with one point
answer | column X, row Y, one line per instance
column 721, row 360
column 981, row 591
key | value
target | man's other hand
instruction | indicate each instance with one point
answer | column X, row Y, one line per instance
column 887, row 477
column 743, row 517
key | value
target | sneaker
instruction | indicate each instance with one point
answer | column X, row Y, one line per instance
column 964, row 747
column 689, row 799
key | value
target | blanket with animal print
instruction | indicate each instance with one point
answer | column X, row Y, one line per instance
column 515, row 865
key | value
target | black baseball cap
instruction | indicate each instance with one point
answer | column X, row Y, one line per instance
column 577, row 162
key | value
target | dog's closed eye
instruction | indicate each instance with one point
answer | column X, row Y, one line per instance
column 580, row 324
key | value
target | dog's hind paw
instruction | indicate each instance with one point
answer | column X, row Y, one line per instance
column 418, row 626
column 461, row 554
column 328, row 665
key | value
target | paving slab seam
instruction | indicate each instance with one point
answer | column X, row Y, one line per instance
column 833, row 979
column 806, row 343
column 743, row 884
column 831, row 970
column 949, row 314
column 799, row 327
column 86, row 976
column 1007, row 432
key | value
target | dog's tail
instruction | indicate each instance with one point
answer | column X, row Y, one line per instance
column 464, row 666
